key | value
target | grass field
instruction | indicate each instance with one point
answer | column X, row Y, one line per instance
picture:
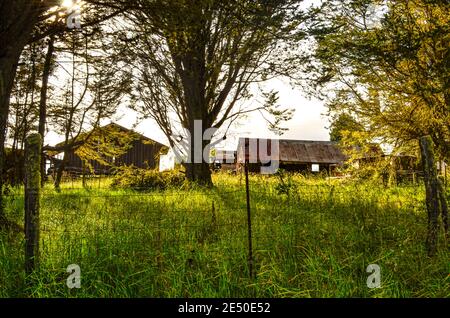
column 315, row 242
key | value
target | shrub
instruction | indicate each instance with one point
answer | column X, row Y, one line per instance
column 286, row 184
column 137, row 178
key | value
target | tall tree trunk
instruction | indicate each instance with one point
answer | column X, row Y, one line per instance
column 8, row 66
column 43, row 101
column 18, row 19
column 13, row 178
column 199, row 173
column 197, row 169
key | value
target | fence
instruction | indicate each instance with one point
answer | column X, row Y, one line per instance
column 80, row 228
column 149, row 236
column 240, row 229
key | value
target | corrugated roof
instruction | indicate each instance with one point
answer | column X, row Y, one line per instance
column 290, row 151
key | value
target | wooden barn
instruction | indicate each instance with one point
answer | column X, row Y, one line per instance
column 140, row 151
column 290, row 155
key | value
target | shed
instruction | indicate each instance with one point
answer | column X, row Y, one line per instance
column 142, row 152
column 291, row 155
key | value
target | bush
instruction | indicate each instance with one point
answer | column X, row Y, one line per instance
column 286, row 184
column 137, row 178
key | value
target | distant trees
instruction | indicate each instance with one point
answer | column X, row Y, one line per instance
column 196, row 60
column 343, row 124
column 92, row 92
column 28, row 102
column 23, row 106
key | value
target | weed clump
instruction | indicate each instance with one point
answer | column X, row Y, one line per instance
column 131, row 177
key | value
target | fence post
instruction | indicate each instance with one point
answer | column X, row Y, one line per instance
column 249, row 223
column 435, row 195
column 32, row 200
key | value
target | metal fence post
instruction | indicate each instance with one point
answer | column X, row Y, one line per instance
column 32, row 200
column 249, row 223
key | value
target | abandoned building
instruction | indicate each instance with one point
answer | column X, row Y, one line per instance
column 141, row 152
column 290, row 155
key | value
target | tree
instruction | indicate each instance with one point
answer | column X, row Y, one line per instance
column 47, row 71
column 105, row 145
column 93, row 92
column 26, row 21
column 17, row 20
column 342, row 124
column 387, row 64
column 195, row 61
column 102, row 145
column 23, row 106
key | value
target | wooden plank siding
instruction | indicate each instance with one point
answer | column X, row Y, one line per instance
column 143, row 153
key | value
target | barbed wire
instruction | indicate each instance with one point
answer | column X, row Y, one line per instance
column 125, row 222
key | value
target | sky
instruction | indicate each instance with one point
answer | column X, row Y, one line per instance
column 308, row 123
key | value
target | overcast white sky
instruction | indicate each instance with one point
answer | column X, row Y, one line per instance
column 308, row 123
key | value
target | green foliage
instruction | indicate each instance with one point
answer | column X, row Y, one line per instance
column 279, row 114
column 371, row 171
column 343, row 123
column 104, row 144
column 147, row 179
column 286, row 185
column 365, row 159
column 171, row 244
column 386, row 64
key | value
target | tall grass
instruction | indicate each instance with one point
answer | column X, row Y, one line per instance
column 315, row 241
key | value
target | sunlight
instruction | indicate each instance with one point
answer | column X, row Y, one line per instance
column 68, row 3
column 72, row 5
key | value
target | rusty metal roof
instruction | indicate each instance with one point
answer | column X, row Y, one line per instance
column 289, row 151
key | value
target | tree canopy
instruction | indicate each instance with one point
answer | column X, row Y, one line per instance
column 196, row 60
column 387, row 64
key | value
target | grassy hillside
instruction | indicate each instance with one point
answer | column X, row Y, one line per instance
column 314, row 240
